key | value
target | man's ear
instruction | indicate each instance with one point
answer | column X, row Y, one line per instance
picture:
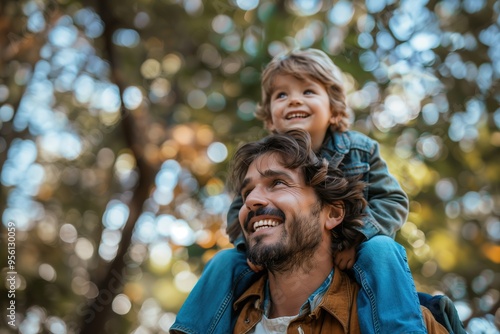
column 336, row 213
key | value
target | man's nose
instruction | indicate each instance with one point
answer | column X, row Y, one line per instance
column 257, row 198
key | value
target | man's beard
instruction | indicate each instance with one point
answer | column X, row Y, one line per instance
column 294, row 247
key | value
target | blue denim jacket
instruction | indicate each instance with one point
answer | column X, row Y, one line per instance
column 355, row 153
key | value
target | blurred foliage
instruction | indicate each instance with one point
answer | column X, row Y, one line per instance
column 118, row 119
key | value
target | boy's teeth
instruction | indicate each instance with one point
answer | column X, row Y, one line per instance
column 297, row 115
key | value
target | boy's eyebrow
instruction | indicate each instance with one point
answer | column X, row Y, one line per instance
column 268, row 173
column 274, row 89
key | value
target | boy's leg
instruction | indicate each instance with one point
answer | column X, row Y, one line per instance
column 388, row 300
column 208, row 308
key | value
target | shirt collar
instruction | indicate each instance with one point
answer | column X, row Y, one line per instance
column 310, row 304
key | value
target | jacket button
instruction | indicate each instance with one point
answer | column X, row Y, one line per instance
column 247, row 321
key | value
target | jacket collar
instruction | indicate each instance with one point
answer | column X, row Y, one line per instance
column 337, row 141
column 341, row 142
column 335, row 146
column 256, row 292
column 338, row 299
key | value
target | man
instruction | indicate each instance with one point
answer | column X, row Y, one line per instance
column 297, row 212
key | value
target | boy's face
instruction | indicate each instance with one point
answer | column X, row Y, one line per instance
column 300, row 104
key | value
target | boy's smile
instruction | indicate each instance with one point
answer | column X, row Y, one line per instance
column 300, row 104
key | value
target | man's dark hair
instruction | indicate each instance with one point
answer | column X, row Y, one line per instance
column 329, row 183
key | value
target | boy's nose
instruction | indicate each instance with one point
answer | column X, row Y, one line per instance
column 295, row 100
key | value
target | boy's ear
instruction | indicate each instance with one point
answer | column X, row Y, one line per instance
column 336, row 213
column 334, row 119
column 269, row 125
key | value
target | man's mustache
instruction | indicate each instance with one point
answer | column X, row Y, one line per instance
column 263, row 211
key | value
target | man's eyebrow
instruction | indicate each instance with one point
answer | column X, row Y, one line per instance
column 274, row 173
column 244, row 184
column 268, row 173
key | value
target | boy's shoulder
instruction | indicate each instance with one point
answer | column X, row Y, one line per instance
column 343, row 142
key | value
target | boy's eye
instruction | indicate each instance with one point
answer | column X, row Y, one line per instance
column 280, row 95
column 308, row 92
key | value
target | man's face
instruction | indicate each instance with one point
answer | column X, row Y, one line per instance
column 281, row 218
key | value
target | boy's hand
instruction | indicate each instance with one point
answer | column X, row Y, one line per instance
column 345, row 259
column 254, row 267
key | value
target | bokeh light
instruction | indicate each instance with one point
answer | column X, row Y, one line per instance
column 217, row 152
column 121, row 304
column 136, row 124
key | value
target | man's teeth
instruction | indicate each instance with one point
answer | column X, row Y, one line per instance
column 297, row 115
column 264, row 224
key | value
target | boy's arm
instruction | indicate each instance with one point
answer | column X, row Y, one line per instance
column 233, row 228
column 388, row 204
column 386, row 211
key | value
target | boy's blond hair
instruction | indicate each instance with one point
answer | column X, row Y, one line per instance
column 313, row 64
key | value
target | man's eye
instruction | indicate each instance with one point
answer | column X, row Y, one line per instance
column 244, row 194
column 279, row 182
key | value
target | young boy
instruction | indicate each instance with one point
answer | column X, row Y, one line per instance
column 303, row 89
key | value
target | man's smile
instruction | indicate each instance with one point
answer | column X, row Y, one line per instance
column 265, row 223
column 263, row 218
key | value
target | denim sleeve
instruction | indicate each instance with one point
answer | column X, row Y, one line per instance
column 235, row 235
column 388, row 204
